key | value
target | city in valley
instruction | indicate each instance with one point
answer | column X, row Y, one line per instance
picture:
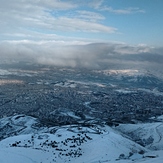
column 67, row 112
column 58, row 96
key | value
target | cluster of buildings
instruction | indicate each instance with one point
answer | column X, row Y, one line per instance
column 58, row 102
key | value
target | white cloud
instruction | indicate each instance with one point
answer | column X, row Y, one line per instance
column 129, row 10
column 27, row 4
column 101, row 6
column 43, row 19
column 91, row 16
column 96, row 4
column 76, row 24
column 16, row 16
column 82, row 54
column 56, row 4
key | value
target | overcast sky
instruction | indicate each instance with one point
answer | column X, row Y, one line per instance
column 82, row 31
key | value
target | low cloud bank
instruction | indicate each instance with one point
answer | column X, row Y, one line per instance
column 90, row 55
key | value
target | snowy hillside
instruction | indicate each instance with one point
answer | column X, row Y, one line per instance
column 133, row 76
column 20, row 124
column 149, row 135
column 26, row 141
column 66, row 145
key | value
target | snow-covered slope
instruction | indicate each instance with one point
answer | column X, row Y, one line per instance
column 19, row 124
column 68, row 146
column 149, row 135
column 30, row 143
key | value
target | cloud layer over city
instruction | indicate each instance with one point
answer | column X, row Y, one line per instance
column 85, row 55
column 91, row 33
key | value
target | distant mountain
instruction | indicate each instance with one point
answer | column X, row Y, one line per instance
column 131, row 76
